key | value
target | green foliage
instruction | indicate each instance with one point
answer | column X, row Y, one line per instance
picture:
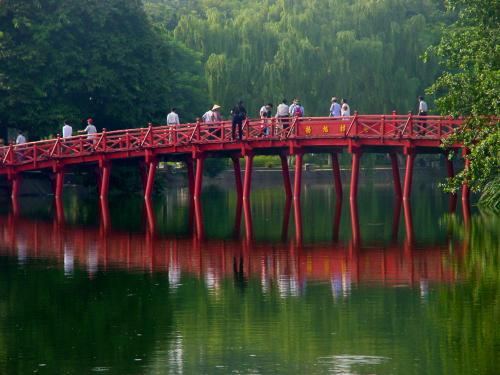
column 363, row 50
column 470, row 86
column 71, row 59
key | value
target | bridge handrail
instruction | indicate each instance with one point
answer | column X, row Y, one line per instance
column 357, row 126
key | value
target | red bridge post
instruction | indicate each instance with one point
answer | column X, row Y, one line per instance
column 466, row 194
column 237, row 176
column 286, row 176
column 451, row 174
column 190, row 176
column 298, row 176
column 151, row 178
column 105, row 167
column 248, row 176
column 199, row 177
column 247, row 212
column 15, row 184
column 59, row 172
column 410, row 159
column 356, row 158
column 395, row 174
column 336, row 176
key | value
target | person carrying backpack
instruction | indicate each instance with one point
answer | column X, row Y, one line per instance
column 239, row 114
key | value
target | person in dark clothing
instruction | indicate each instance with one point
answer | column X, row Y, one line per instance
column 239, row 114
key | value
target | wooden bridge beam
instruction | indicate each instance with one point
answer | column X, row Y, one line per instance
column 15, row 184
column 105, row 172
column 59, row 183
column 248, row 176
column 190, row 176
column 356, row 158
column 336, row 176
column 298, row 176
column 237, row 176
column 451, row 173
column 200, row 159
column 410, row 161
column 151, row 178
column 395, row 175
column 286, row 176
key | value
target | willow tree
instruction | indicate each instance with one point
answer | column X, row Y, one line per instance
column 363, row 50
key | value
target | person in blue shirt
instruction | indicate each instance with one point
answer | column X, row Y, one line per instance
column 335, row 108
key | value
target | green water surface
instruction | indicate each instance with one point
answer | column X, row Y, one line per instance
column 79, row 298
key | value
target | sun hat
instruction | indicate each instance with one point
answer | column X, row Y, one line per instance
column 215, row 107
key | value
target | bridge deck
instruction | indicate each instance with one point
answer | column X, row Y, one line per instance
column 372, row 133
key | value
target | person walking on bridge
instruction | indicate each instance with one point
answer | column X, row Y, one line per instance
column 335, row 110
column 90, row 129
column 265, row 114
column 20, row 138
column 282, row 113
column 422, row 111
column 239, row 114
column 345, row 110
column 173, row 117
column 67, row 130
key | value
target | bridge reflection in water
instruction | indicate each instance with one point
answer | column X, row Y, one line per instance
column 288, row 264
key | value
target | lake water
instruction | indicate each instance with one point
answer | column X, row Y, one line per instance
column 82, row 294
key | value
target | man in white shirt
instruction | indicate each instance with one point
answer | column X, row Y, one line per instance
column 173, row 117
column 422, row 111
column 20, row 138
column 345, row 110
column 335, row 108
column 282, row 110
column 422, row 106
column 67, row 130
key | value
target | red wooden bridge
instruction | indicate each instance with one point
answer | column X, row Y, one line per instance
column 392, row 134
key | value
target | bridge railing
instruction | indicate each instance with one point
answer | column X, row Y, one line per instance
column 357, row 126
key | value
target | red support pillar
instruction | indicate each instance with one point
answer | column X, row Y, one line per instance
column 199, row 177
column 298, row 177
column 150, row 213
column 356, row 157
column 286, row 176
column 59, row 211
column 105, row 173
column 451, row 174
column 336, row 219
column 151, row 179
column 410, row 159
column 353, row 205
column 286, row 219
column 237, row 218
column 198, row 215
column 144, row 175
column 59, row 183
column 465, row 197
column 395, row 218
column 15, row 181
column 408, row 222
column 247, row 212
column 395, row 174
column 248, row 176
column 237, row 176
column 336, row 176
column 190, row 176
column 297, row 210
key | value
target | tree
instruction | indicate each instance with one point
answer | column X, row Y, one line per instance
column 79, row 58
column 470, row 86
